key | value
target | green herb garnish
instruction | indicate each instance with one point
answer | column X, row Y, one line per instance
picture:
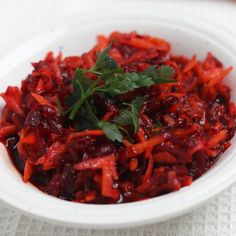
column 111, row 130
column 130, row 116
column 111, row 81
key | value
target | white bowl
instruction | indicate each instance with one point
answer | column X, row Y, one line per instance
column 188, row 36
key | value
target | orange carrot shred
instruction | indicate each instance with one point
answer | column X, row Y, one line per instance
column 133, row 164
column 217, row 138
column 141, row 147
column 190, row 65
column 27, row 171
column 7, row 130
column 41, row 100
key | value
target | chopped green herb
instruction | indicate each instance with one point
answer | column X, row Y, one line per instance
column 87, row 117
column 85, row 93
column 111, row 130
column 124, row 118
column 164, row 72
column 112, row 81
column 130, row 116
column 160, row 75
column 102, row 59
column 123, row 83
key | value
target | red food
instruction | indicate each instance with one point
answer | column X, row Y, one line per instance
column 13, row 99
column 196, row 115
column 108, row 166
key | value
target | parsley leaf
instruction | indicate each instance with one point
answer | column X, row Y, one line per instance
column 124, row 118
column 121, row 84
column 87, row 117
column 138, row 102
column 160, row 75
column 102, row 59
column 130, row 116
column 111, row 130
column 80, row 81
column 84, row 88
column 164, row 72
column 135, row 106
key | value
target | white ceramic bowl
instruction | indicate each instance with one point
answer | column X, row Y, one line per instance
column 188, row 36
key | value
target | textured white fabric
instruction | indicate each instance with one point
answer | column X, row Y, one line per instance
column 22, row 19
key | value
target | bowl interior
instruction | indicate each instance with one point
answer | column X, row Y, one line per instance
column 187, row 39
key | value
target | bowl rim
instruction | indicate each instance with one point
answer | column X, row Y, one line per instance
column 136, row 213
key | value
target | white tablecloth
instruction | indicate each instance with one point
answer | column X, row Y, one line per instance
column 20, row 20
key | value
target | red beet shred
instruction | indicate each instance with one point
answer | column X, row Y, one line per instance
column 183, row 127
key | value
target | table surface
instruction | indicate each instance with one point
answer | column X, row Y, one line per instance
column 20, row 20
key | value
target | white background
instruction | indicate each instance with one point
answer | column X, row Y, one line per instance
column 23, row 19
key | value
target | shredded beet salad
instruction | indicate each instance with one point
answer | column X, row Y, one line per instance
column 123, row 122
